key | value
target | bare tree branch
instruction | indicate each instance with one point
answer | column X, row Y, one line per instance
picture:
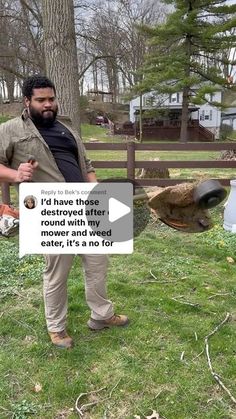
column 37, row 16
column 213, row 373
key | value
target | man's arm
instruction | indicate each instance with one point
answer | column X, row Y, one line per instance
column 24, row 173
column 7, row 174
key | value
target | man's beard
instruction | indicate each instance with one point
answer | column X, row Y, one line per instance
column 41, row 119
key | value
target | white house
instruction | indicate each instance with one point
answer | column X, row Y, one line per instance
column 208, row 116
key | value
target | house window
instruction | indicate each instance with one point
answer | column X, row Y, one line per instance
column 174, row 98
column 149, row 101
column 202, row 116
column 206, row 115
column 209, row 97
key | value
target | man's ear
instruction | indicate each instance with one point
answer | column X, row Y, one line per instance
column 26, row 102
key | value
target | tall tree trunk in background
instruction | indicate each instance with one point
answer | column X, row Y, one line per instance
column 10, row 81
column 184, row 119
column 101, row 81
column 81, row 86
column 112, row 75
column 61, row 55
column 95, row 77
column 186, row 89
column 3, row 89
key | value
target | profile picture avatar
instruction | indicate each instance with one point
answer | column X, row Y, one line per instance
column 30, row 202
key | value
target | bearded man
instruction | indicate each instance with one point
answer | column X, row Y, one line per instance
column 59, row 156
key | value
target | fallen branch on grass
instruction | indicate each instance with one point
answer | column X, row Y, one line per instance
column 113, row 388
column 152, row 274
column 197, row 356
column 155, row 280
column 25, row 325
column 186, row 302
column 81, row 409
column 218, row 295
column 213, row 373
column 84, row 406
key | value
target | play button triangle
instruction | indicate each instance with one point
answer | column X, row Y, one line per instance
column 117, row 210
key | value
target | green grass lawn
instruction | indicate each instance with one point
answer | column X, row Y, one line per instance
column 176, row 288
column 93, row 131
column 3, row 118
column 156, row 363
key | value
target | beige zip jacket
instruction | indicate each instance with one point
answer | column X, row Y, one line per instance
column 20, row 139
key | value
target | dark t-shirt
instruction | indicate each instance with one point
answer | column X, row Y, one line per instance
column 64, row 149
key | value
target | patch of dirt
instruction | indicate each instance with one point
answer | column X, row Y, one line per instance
column 64, row 414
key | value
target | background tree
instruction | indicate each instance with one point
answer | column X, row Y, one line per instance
column 114, row 41
column 61, row 55
column 20, row 41
column 110, row 49
column 109, row 46
column 188, row 51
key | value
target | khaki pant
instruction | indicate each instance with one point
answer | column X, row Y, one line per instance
column 55, row 288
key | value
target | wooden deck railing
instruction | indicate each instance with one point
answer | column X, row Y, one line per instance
column 164, row 130
column 131, row 163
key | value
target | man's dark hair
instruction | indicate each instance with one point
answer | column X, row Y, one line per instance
column 36, row 82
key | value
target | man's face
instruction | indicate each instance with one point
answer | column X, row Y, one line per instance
column 42, row 106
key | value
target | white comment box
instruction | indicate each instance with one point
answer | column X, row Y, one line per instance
column 75, row 218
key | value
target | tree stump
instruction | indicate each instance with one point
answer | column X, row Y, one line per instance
column 153, row 173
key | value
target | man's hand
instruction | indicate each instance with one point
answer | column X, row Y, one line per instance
column 25, row 172
column 91, row 177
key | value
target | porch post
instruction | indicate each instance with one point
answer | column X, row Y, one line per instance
column 131, row 160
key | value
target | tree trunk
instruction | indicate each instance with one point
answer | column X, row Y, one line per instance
column 61, row 55
column 112, row 75
column 3, row 89
column 115, row 82
column 95, row 78
column 184, row 119
column 10, row 81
